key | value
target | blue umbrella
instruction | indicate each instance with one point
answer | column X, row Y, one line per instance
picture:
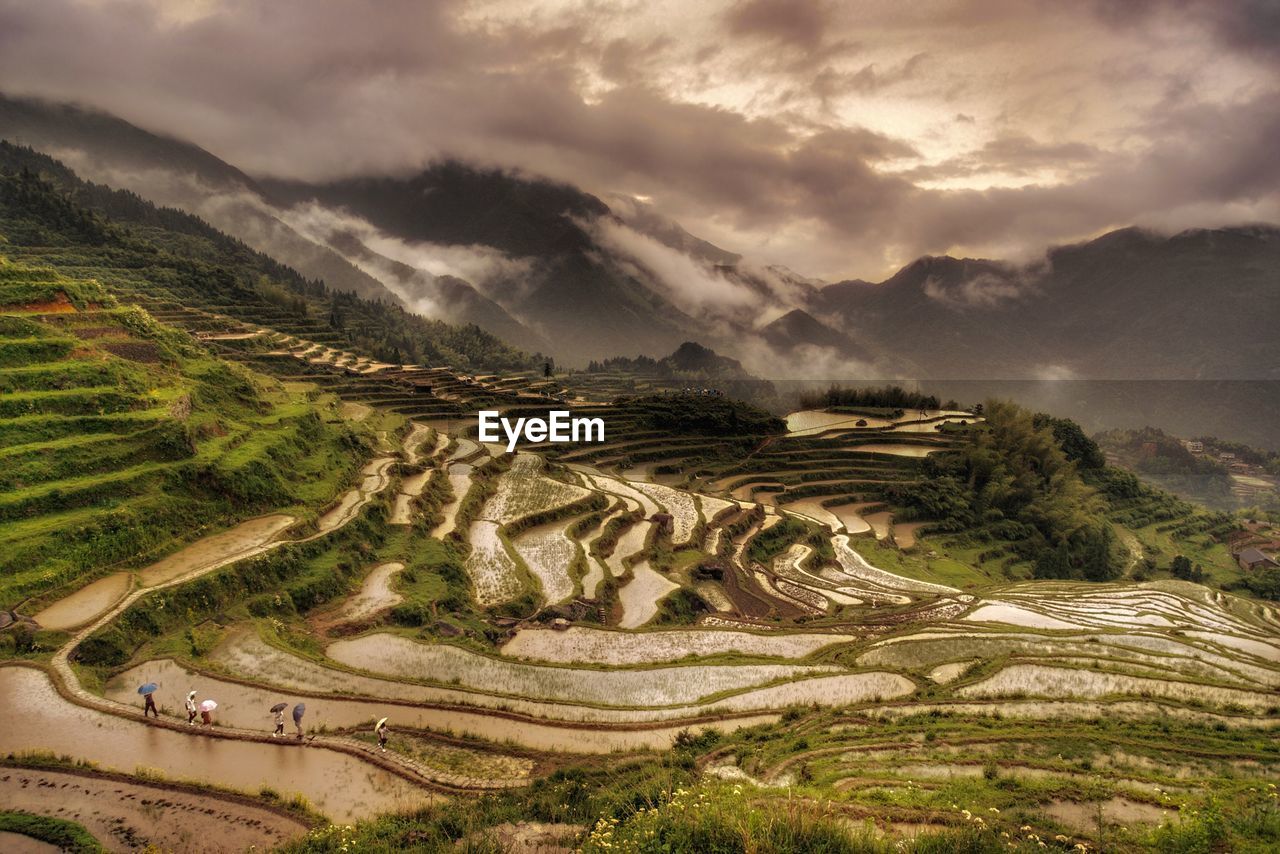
column 149, row 688
column 297, row 712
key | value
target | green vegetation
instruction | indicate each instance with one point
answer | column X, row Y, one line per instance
column 66, row 835
column 1012, row 481
column 890, row 398
column 89, row 230
column 1166, row 462
column 127, row 422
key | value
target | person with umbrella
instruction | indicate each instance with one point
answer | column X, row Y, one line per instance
column 381, row 729
column 206, row 712
column 278, row 711
column 298, row 711
column 191, row 707
column 148, row 691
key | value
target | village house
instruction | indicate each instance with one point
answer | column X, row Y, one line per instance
column 1252, row 558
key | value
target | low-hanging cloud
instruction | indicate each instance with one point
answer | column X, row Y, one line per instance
column 817, row 135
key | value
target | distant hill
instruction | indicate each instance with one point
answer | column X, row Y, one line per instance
column 590, row 279
column 1131, row 304
column 798, row 328
column 50, row 216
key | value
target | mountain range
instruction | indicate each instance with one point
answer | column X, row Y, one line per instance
column 548, row 267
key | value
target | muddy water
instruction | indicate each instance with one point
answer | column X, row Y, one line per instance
column 419, row 434
column 127, row 816
column 16, row 843
column 880, row 523
column 86, row 603
column 19, row 844
column 375, row 594
column 813, row 421
column 460, row 483
column 848, row 515
column 639, row 596
column 897, row 450
column 414, row 483
column 813, row 509
column 410, row 488
column 245, row 706
column 216, row 549
column 340, row 786
column 373, row 479
column 904, row 533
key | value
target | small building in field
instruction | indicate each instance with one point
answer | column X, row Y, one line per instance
column 1251, row 558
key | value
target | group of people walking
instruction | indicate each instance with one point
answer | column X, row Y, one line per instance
column 205, row 711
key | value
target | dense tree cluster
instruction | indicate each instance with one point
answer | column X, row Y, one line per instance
column 1014, row 480
column 887, row 397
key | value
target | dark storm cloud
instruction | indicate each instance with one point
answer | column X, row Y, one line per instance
column 1251, row 26
column 750, row 121
column 797, row 23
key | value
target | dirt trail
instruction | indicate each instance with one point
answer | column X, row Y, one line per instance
column 126, row 816
column 77, row 700
column 341, row 786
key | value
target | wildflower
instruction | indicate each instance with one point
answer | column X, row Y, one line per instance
column 1025, row 828
column 1060, row 838
column 993, row 810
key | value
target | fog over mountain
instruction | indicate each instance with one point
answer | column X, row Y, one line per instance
column 839, row 140
column 552, row 268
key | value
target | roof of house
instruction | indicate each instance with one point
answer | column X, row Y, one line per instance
column 1255, row 556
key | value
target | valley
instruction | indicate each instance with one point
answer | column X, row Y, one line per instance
column 883, row 612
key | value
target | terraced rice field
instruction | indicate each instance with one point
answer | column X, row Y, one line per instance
column 375, row 594
column 549, row 554
column 584, row 645
column 505, row 639
column 341, row 785
column 390, row 655
column 524, row 490
column 640, row 596
column 459, row 475
column 495, row 576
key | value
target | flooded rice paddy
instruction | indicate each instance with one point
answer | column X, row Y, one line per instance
column 396, row 656
column 585, row 645
column 340, row 786
column 245, row 706
column 639, row 597
column 86, row 603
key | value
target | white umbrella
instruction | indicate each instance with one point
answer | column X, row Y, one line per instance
column 208, row 706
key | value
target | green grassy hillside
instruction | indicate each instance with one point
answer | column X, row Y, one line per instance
column 120, row 437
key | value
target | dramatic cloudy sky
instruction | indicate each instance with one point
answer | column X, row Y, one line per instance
column 840, row 138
